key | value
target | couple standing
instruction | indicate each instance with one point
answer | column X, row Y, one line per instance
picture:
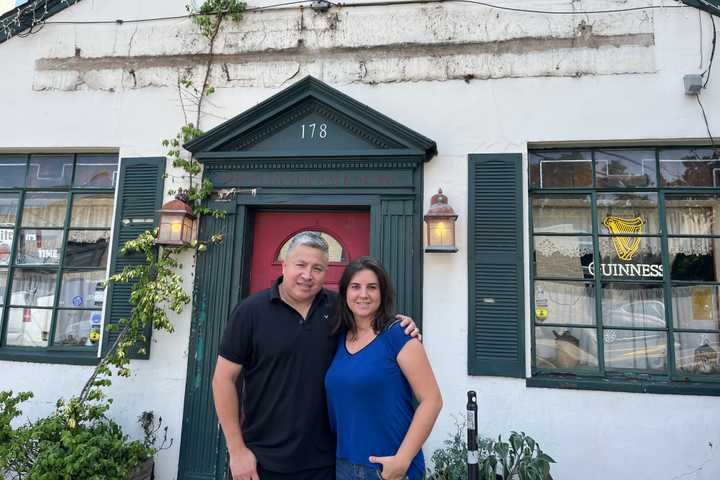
column 328, row 379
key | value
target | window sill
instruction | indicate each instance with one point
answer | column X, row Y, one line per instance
column 617, row 385
column 63, row 358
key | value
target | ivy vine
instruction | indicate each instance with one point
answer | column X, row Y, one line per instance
column 157, row 287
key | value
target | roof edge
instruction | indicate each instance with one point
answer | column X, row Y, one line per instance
column 311, row 86
column 29, row 15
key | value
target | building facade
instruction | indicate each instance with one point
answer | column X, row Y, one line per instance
column 582, row 303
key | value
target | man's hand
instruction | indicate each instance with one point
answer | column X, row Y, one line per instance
column 394, row 468
column 410, row 327
column 243, row 465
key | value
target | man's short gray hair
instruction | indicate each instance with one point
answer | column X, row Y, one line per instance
column 309, row 239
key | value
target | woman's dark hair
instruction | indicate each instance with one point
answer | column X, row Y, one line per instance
column 386, row 313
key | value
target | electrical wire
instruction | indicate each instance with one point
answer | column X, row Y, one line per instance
column 512, row 9
column 173, row 17
column 372, row 4
column 700, row 25
column 712, row 52
column 707, row 125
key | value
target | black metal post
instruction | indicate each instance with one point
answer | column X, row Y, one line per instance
column 472, row 456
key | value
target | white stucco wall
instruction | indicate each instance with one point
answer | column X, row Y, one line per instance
column 625, row 92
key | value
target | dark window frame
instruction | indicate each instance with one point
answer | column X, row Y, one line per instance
column 672, row 380
column 82, row 355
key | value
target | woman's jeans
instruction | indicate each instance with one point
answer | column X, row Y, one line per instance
column 344, row 470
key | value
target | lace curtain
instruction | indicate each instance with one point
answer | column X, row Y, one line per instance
column 680, row 221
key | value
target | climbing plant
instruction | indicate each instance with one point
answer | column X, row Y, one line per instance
column 157, row 287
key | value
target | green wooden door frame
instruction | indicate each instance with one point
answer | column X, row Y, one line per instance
column 374, row 164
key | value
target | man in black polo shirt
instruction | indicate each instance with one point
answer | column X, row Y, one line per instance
column 280, row 340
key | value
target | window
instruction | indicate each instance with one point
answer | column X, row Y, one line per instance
column 55, row 219
column 626, row 264
column 336, row 252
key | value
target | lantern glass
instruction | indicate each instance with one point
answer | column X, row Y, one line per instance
column 441, row 232
column 187, row 230
column 171, row 226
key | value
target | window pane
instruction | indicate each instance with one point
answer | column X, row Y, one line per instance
column 630, row 257
column 8, row 208
column 44, row 209
column 633, row 305
column 625, row 168
column 565, row 348
column 96, row 171
column 28, row 327
column 693, row 214
column 564, row 302
column 50, row 171
column 78, row 328
column 696, row 306
column 3, row 284
column 39, row 246
column 692, row 167
column 33, row 287
column 91, row 211
column 697, row 353
column 627, row 213
column 562, row 214
column 564, row 257
column 694, row 259
column 635, row 349
column 87, row 248
column 12, row 171
column 82, row 289
column 6, row 240
column 336, row 253
column 560, row 169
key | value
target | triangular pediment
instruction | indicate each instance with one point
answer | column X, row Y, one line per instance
column 311, row 118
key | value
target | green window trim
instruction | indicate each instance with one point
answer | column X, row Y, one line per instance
column 71, row 189
column 571, row 382
column 48, row 356
column 671, row 379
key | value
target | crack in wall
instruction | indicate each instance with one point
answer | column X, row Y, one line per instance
column 516, row 46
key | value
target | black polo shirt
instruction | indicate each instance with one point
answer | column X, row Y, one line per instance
column 284, row 359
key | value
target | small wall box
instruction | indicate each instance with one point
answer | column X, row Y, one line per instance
column 693, row 84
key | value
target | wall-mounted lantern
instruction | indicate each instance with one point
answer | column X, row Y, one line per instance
column 440, row 220
column 178, row 225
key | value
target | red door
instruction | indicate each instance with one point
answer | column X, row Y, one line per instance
column 347, row 233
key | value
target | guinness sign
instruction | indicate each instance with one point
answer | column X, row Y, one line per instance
column 626, row 248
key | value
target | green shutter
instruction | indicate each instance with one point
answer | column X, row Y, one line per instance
column 140, row 194
column 495, row 278
column 397, row 253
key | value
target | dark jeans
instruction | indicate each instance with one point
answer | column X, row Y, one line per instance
column 325, row 473
column 344, row 470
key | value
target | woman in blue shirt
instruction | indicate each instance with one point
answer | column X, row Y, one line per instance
column 370, row 385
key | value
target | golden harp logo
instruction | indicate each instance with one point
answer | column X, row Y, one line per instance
column 626, row 247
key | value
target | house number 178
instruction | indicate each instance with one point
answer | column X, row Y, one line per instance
column 312, row 130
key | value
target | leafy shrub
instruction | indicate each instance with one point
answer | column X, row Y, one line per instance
column 77, row 441
column 450, row 462
column 519, row 459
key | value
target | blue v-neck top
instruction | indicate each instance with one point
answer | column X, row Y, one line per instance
column 369, row 400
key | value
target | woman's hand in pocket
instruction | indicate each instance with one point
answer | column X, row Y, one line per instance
column 393, row 468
